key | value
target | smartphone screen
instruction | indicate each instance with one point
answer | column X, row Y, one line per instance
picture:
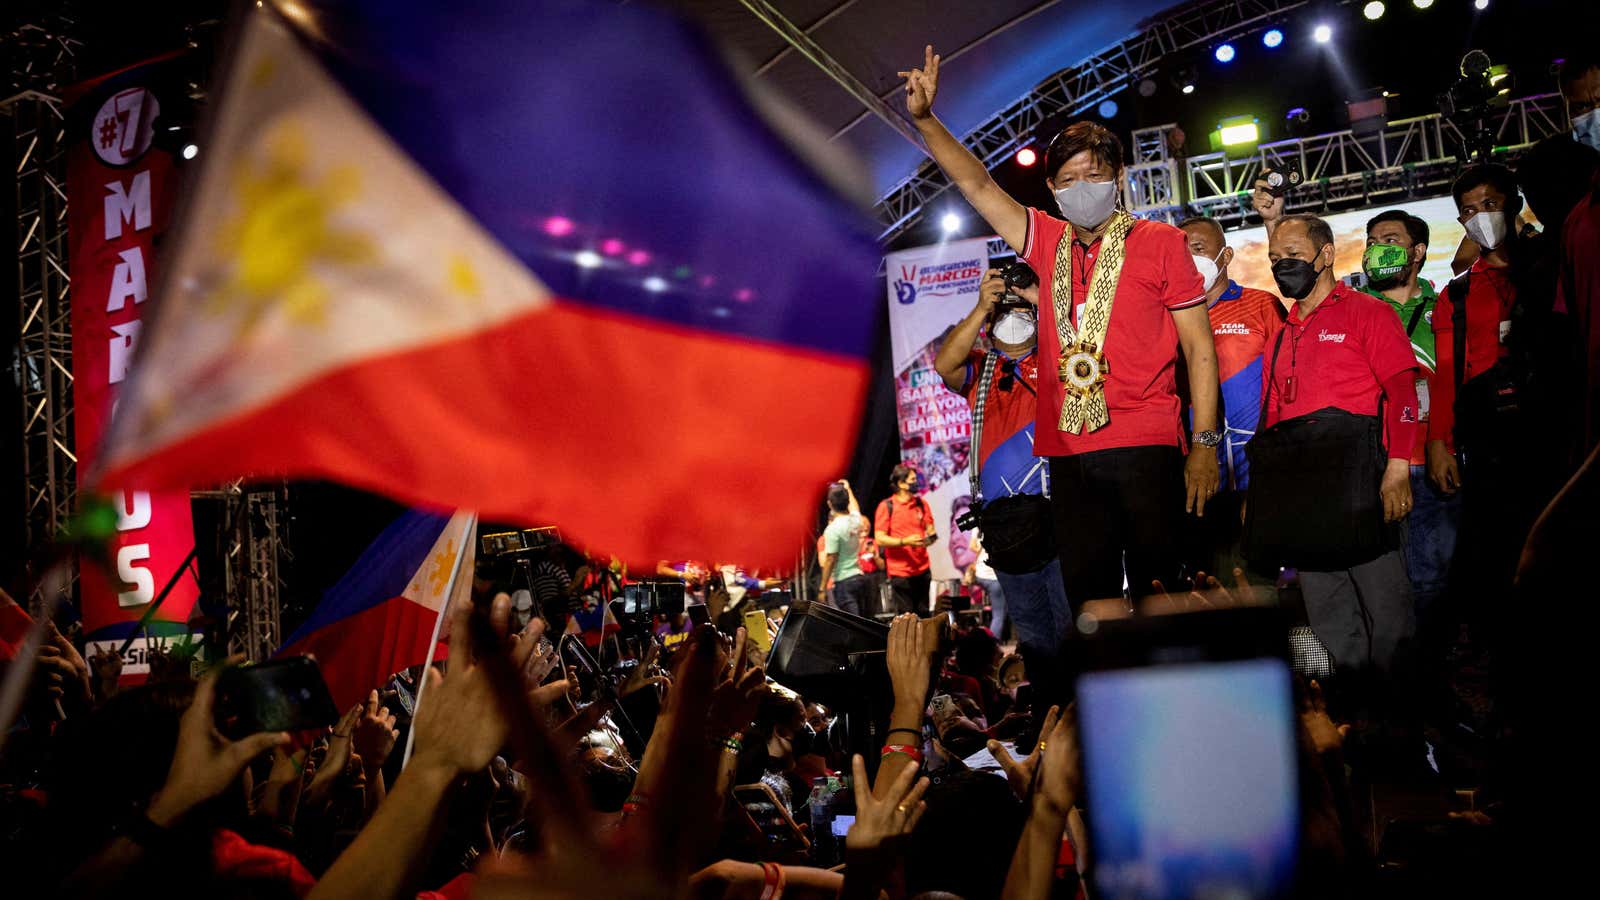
column 1191, row 776
column 698, row 614
column 280, row 695
column 755, row 626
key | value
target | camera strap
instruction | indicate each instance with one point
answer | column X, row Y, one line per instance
column 975, row 456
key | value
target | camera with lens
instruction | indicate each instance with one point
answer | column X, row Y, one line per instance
column 1481, row 87
column 1016, row 275
column 1281, row 180
column 972, row 519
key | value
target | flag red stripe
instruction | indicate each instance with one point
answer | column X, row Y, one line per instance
column 639, row 440
column 357, row 653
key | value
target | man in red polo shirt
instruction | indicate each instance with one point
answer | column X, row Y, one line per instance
column 903, row 528
column 1117, row 297
column 1345, row 349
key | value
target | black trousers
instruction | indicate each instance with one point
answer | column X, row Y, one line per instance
column 1118, row 511
column 909, row 593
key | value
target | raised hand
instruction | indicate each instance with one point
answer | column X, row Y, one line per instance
column 1267, row 206
column 886, row 819
column 1020, row 772
column 1325, row 734
column 204, row 762
column 1058, row 779
column 107, row 667
column 375, row 733
column 458, row 723
column 908, row 658
column 922, row 84
column 737, row 693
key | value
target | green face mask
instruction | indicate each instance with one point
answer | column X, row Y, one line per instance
column 1384, row 263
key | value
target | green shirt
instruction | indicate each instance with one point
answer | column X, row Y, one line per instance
column 842, row 541
column 1421, row 336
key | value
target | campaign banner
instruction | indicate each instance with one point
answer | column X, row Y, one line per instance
column 122, row 172
column 930, row 290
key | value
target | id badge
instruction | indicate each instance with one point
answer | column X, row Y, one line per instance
column 1423, row 402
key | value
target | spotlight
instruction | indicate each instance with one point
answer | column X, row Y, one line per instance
column 1422, row 4
column 1188, row 89
column 1224, row 53
column 1480, row 4
column 1297, row 123
column 1243, row 133
column 1322, row 34
column 639, row 257
column 190, row 151
column 1185, row 79
column 587, row 259
column 558, row 226
column 1147, row 87
column 744, row 295
column 612, row 246
column 1373, row 11
column 1027, row 157
column 1272, row 39
column 951, row 223
column 1108, row 108
column 655, row 285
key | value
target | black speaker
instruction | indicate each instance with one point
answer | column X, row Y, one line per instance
column 825, row 654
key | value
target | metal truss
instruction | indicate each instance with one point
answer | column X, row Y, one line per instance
column 1408, row 158
column 250, row 576
column 42, row 365
column 1073, row 90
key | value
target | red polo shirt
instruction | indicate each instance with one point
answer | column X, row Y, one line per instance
column 1141, row 346
column 1490, row 296
column 904, row 520
column 1578, row 295
column 1340, row 356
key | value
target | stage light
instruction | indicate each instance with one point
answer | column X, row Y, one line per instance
column 558, row 226
column 1224, row 53
column 190, row 151
column 951, row 223
column 1147, row 87
column 1322, row 34
column 1026, row 157
column 1272, row 39
column 639, row 257
column 655, row 285
column 1481, row 4
column 587, row 259
column 1188, row 88
column 1373, row 11
column 611, row 246
column 1108, row 108
column 1422, row 4
column 1244, row 133
column 744, row 295
column 1297, row 123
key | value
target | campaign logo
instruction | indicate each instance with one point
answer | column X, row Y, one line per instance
column 1329, row 336
column 124, row 126
column 905, row 287
column 944, row 280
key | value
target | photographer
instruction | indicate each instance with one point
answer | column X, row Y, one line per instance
column 1013, row 483
column 1118, row 297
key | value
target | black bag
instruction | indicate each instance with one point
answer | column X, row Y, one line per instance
column 1313, row 500
column 1018, row 531
column 1490, row 414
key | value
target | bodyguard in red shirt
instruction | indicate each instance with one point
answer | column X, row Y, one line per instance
column 1345, row 349
column 1117, row 297
column 903, row 528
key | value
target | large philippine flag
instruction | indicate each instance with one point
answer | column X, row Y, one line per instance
column 541, row 260
column 387, row 611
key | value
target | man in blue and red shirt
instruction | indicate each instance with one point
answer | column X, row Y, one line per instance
column 1243, row 323
column 1036, row 600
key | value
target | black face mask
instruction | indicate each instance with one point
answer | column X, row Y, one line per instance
column 1295, row 277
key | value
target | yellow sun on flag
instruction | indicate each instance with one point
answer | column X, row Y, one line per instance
column 442, row 565
column 283, row 232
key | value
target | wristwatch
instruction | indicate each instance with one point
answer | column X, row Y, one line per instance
column 1207, row 438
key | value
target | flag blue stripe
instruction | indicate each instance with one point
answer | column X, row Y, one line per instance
column 622, row 122
column 380, row 574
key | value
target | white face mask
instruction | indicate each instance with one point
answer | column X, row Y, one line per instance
column 1208, row 268
column 1586, row 129
column 1087, row 203
column 1488, row 228
column 1014, row 328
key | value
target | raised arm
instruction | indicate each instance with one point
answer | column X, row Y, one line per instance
column 1005, row 215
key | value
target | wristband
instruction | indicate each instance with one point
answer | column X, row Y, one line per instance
column 732, row 745
column 774, row 881
column 634, row 804
column 906, row 749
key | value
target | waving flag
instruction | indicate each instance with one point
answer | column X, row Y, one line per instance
column 387, row 611
column 542, row 260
